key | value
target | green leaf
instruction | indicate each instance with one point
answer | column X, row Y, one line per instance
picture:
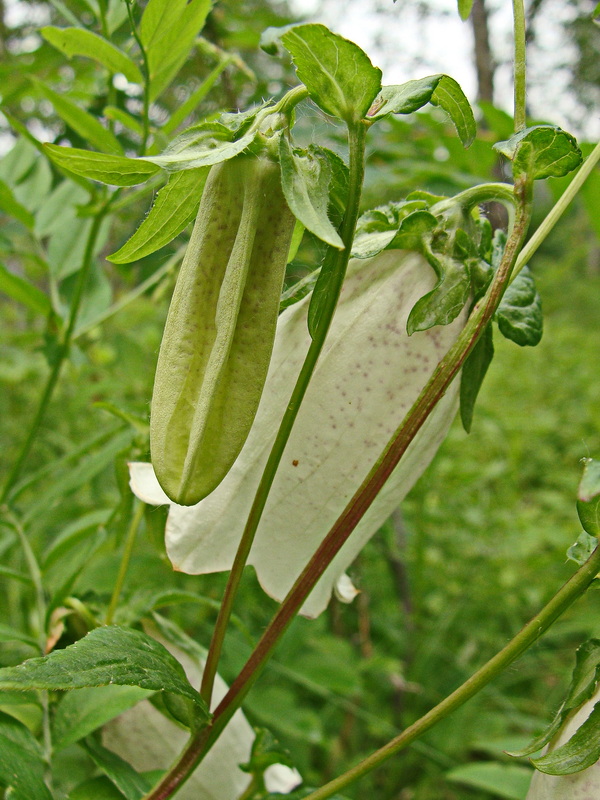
column 10, row 205
column 450, row 97
column 168, row 31
column 543, row 151
column 501, row 780
column 175, row 207
column 582, row 549
column 396, row 225
column 202, row 146
column 82, row 122
column 24, row 292
column 321, row 293
column 67, row 245
column 583, row 684
column 114, row 170
column 472, row 375
column 106, row 656
column 305, row 178
column 337, row 73
column 464, row 9
column 588, row 497
column 61, row 205
column 581, row 751
column 22, row 767
column 81, row 42
column 125, row 119
column 447, row 298
column 82, row 712
column 130, row 783
column 519, row 314
column 96, row 789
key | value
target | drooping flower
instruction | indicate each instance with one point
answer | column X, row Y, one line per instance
column 369, row 374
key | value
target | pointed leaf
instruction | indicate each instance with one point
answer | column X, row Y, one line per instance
column 472, row 375
column 109, row 655
column 464, row 9
column 10, row 205
column 543, row 151
column 446, row 300
column 81, row 42
column 519, row 314
column 82, row 122
column 176, row 205
column 114, row 170
column 22, row 767
column 205, row 145
column 305, row 178
column 404, row 98
column 130, row 783
column 450, row 97
column 581, row 751
column 337, row 73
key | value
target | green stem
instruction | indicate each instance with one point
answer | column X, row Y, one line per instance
column 520, row 65
column 534, row 629
column 356, row 141
column 62, row 354
column 126, row 558
column 146, row 73
column 558, row 210
column 364, row 496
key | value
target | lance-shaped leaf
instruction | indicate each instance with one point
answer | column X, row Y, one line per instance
column 519, row 315
column 440, row 90
column 338, row 75
column 464, row 8
column 473, row 372
column 368, row 377
column 80, row 42
column 109, row 655
column 588, row 497
column 114, row 170
column 543, row 151
column 305, row 178
column 22, row 765
column 175, row 207
column 202, row 146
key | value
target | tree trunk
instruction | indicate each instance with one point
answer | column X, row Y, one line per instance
column 484, row 61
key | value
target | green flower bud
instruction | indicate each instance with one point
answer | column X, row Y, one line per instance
column 219, row 333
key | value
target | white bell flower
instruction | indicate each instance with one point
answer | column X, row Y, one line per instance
column 368, row 376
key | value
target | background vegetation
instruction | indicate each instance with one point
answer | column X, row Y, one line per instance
column 479, row 544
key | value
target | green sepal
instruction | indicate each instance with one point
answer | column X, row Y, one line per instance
column 473, row 373
column 519, row 315
column 588, row 497
column 542, row 151
column 583, row 685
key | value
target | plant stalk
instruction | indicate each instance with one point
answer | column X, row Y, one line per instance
column 125, row 559
column 532, row 631
column 520, row 65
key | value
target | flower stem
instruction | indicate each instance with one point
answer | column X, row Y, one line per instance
column 60, row 357
column 534, row 629
column 520, row 65
column 357, row 140
column 125, row 559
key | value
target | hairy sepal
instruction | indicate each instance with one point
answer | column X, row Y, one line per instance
column 367, row 378
column 219, row 333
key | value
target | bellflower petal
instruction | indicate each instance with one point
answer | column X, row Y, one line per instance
column 368, row 376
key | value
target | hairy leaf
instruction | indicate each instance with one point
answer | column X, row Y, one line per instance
column 543, row 151
column 519, row 314
column 114, row 170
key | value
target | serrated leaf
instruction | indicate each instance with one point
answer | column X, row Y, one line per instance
column 24, row 292
column 81, row 42
column 472, row 375
column 130, row 783
column 338, row 75
column 175, row 207
column 80, row 713
column 106, row 656
column 588, row 497
column 82, row 122
column 448, row 297
column 305, row 179
column 519, row 314
column 542, row 151
column 583, row 684
column 581, row 751
column 110, row 169
column 464, row 9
